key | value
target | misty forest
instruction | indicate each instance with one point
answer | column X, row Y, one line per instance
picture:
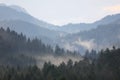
column 32, row 49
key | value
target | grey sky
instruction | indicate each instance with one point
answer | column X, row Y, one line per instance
column 68, row 11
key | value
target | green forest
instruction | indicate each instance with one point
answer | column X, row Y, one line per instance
column 15, row 64
column 18, row 50
column 59, row 40
column 105, row 67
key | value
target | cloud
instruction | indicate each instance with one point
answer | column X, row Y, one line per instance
column 88, row 44
column 69, row 46
column 115, row 8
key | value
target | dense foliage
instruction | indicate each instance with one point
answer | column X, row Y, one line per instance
column 105, row 67
column 16, row 49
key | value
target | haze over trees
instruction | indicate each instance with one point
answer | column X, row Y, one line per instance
column 78, row 37
column 31, row 49
column 104, row 67
column 16, row 49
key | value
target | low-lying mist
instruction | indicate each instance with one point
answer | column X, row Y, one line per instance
column 56, row 60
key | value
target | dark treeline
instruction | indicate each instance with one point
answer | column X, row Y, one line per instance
column 12, row 42
column 105, row 67
column 16, row 49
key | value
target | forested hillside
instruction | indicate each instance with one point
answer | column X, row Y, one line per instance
column 105, row 67
column 16, row 49
column 104, row 36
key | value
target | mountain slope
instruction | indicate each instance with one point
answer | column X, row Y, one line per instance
column 16, row 49
column 19, row 20
column 101, row 37
column 17, row 13
column 74, row 28
column 31, row 30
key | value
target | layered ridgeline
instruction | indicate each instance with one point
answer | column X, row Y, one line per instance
column 19, row 20
column 101, row 37
column 17, row 50
column 17, row 13
column 80, row 37
column 75, row 28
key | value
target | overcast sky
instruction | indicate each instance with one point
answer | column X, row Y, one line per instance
column 61, row 12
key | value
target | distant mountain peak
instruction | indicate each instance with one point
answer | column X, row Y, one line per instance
column 15, row 7
column 108, row 19
column 14, row 12
column 20, row 9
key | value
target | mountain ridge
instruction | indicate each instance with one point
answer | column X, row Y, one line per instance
column 75, row 28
